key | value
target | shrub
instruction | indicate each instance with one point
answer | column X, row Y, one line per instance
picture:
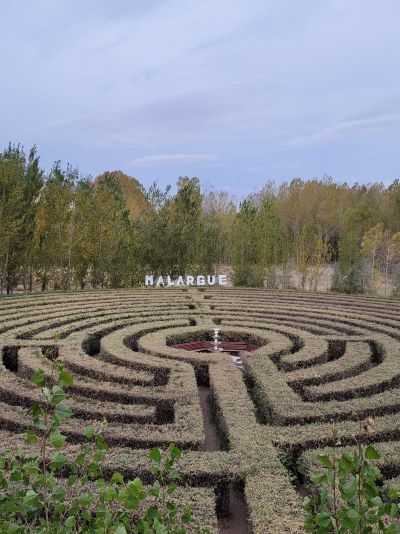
column 248, row 275
column 396, row 280
column 271, row 280
column 44, row 491
column 348, row 497
column 354, row 280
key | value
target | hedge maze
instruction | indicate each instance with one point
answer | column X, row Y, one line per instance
column 249, row 435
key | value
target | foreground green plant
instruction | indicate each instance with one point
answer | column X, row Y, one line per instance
column 43, row 491
column 348, row 498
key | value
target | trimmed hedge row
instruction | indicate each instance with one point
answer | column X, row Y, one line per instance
column 319, row 358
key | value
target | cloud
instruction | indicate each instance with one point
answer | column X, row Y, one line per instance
column 341, row 129
column 172, row 159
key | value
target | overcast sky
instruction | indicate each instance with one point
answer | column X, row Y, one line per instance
column 236, row 92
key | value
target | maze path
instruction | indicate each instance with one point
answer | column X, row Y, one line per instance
column 320, row 358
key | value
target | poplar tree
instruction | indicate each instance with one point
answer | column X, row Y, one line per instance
column 20, row 186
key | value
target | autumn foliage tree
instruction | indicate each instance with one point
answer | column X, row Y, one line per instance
column 62, row 230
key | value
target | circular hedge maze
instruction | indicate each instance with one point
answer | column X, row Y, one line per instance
column 250, row 432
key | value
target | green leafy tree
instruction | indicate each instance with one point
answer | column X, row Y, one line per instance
column 245, row 251
column 111, row 235
column 54, row 227
column 20, row 186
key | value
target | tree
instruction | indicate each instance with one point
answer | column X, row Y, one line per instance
column 111, row 253
column 85, row 224
column 185, row 227
column 20, row 185
column 371, row 243
column 245, row 252
column 218, row 213
column 54, row 224
column 390, row 252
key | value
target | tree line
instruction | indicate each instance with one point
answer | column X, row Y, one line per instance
column 61, row 230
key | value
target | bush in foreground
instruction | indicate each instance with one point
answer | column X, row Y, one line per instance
column 45, row 492
column 349, row 499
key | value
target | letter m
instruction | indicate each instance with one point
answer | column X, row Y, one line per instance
column 148, row 280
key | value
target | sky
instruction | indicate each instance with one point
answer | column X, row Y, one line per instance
column 235, row 92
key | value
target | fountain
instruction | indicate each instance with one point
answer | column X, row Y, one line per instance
column 216, row 342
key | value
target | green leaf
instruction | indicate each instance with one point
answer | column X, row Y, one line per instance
column 13, row 528
column 57, row 395
column 35, row 410
column 58, row 493
column 351, row 518
column 94, row 470
column 70, row 522
column 373, row 472
column 120, row 530
column 58, row 461
column 187, row 515
column 324, row 519
column 174, row 474
column 72, row 480
column 117, row 478
column 87, row 516
column 85, row 499
column 100, row 483
column 65, row 379
column 155, row 454
column 320, row 478
column 171, row 488
column 391, row 509
column 89, row 431
column 31, row 469
column 101, row 445
column 80, row 459
column 99, row 456
column 40, row 425
column 136, row 484
column 59, row 365
column 346, row 463
column 324, row 460
column 394, row 493
column 349, row 487
column 62, row 412
column 57, row 439
column 174, row 451
column 46, row 392
column 38, row 378
column 371, row 453
column 31, row 499
column 155, row 490
column 376, row 501
column 30, row 437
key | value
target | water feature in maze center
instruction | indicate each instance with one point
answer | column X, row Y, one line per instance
column 234, row 348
